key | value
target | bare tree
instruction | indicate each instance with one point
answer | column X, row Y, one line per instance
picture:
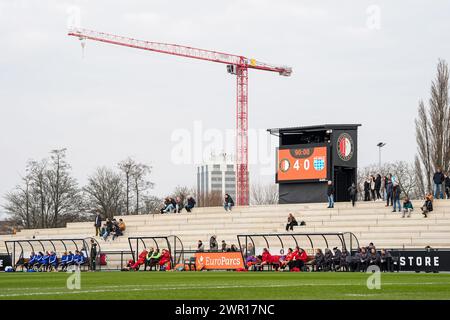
column 423, row 143
column 433, row 127
column 63, row 190
column 264, row 194
column 439, row 118
column 127, row 166
column 48, row 195
column 419, row 176
column 104, row 191
column 210, row 199
column 140, row 182
column 152, row 204
column 182, row 193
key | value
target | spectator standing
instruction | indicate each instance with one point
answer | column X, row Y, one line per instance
column 447, row 186
column 407, row 207
column 389, row 189
column 438, row 179
column 213, row 245
column 383, row 187
column 367, row 190
column 372, row 188
column 330, row 194
column 93, row 255
column 353, row 192
column 378, row 186
column 228, row 202
column 396, row 198
column 190, row 204
column 98, row 224
column 291, row 222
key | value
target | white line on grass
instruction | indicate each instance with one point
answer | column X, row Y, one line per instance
column 183, row 287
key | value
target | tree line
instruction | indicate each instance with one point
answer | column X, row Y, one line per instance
column 48, row 196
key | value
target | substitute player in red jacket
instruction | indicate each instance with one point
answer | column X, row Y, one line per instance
column 164, row 262
column 141, row 260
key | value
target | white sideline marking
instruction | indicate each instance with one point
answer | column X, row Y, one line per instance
column 183, row 287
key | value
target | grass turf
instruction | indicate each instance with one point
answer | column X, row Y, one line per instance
column 223, row 285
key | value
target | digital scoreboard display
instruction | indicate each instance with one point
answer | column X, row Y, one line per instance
column 298, row 164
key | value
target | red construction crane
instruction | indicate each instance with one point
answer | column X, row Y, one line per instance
column 237, row 65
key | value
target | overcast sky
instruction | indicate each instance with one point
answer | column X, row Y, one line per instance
column 366, row 62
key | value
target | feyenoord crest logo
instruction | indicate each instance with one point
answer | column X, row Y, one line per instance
column 345, row 147
column 285, row 165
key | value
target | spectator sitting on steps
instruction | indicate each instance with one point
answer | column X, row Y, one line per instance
column 178, row 205
column 428, row 205
column 291, row 222
column 190, row 204
column 407, row 207
column 228, row 202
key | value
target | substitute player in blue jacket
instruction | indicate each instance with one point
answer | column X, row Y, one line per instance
column 45, row 261
column 53, row 261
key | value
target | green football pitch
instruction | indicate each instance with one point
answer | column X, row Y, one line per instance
column 223, row 285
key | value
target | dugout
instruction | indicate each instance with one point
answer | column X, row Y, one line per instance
column 171, row 243
column 279, row 243
column 307, row 157
column 19, row 250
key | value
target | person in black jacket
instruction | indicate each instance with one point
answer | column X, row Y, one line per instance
column 336, row 259
column 389, row 189
column 428, row 205
column 319, row 260
column 447, row 186
column 367, row 190
column 352, row 190
column 373, row 258
column 378, row 186
column 385, row 261
column 330, row 195
column 190, row 204
column 291, row 222
column 93, row 255
column 438, row 179
column 363, row 260
column 328, row 260
column 228, row 202
column 98, row 224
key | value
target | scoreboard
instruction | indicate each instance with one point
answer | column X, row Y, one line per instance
column 305, row 163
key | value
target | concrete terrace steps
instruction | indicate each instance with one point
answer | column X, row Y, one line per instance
column 370, row 221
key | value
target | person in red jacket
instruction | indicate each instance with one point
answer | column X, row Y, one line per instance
column 300, row 257
column 289, row 257
column 140, row 261
column 164, row 262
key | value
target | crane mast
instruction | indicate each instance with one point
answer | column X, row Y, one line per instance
column 236, row 64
